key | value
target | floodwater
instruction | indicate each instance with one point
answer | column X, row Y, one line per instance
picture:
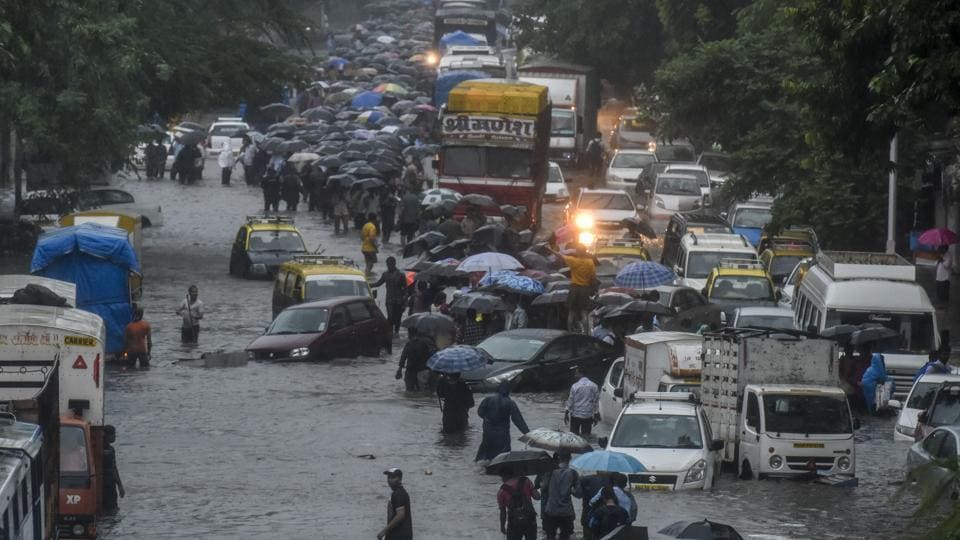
column 297, row 451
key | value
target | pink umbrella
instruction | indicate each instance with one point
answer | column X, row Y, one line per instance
column 938, row 237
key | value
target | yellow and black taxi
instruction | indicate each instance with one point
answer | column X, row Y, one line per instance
column 737, row 283
column 780, row 259
column 264, row 243
column 614, row 254
column 308, row 278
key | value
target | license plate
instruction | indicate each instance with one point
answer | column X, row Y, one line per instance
column 651, row 487
column 807, row 445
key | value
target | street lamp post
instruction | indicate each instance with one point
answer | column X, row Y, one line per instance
column 892, row 197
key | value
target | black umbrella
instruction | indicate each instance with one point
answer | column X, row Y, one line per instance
column 615, row 299
column 488, row 234
column 332, row 162
column 455, row 250
column 439, row 271
column 481, row 302
column 512, row 211
column 362, row 171
column 341, row 180
column 191, row 138
column 701, row 530
column 384, row 167
column 870, row 335
column 292, row 146
column 636, row 226
column 336, row 136
column 318, row 113
column 644, row 306
column 352, row 155
column 534, row 261
column 430, row 324
column 551, row 298
column 522, row 463
column 442, row 209
column 359, row 146
column 368, row 183
column 423, row 242
column 277, row 110
column 560, row 282
column 479, row 200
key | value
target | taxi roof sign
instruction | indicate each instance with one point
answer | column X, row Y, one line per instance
column 739, row 264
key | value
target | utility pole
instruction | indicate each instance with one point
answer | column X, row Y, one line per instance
column 892, row 196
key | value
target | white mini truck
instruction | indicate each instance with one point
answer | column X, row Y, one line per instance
column 774, row 400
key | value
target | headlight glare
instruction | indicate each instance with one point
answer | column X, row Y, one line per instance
column 583, row 221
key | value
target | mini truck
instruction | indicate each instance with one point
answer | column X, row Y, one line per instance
column 776, row 403
column 495, row 135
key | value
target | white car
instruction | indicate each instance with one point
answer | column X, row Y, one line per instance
column 717, row 165
column 223, row 130
column 603, row 208
column 121, row 201
column 435, row 195
column 697, row 171
column 672, row 193
column 626, row 166
column 669, row 433
column 918, row 400
column 556, row 189
column 926, row 461
column 779, row 318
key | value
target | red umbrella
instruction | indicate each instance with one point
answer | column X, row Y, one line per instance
column 938, row 237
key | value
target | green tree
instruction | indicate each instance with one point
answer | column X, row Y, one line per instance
column 688, row 23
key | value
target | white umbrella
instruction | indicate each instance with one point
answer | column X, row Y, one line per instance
column 386, row 40
column 303, row 156
column 489, row 262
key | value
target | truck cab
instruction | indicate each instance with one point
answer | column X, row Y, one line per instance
column 789, row 430
column 80, row 479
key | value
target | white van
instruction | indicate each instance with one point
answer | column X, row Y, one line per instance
column 846, row 287
column 700, row 253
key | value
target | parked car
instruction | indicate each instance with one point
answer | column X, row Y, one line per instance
column 262, row 244
column 928, row 460
column 602, row 208
column 341, row 327
column 779, row 318
column 626, row 166
column 556, row 189
column 672, row 193
column 749, row 218
column 697, row 171
column 223, row 130
column 669, row 433
column 918, row 400
column 681, row 223
column 50, row 205
column 944, row 410
column 539, row 359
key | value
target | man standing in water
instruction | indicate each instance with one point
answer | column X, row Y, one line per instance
column 497, row 411
column 399, row 519
column 191, row 309
column 457, row 402
column 582, row 409
column 396, row 283
column 136, row 340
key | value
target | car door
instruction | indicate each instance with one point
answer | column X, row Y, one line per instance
column 341, row 340
column 712, row 457
column 362, row 339
column 610, row 405
column 921, row 455
column 553, row 368
column 750, row 432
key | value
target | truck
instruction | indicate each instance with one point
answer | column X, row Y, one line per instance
column 494, row 139
column 653, row 362
column 574, row 100
column 52, row 360
column 774, row 399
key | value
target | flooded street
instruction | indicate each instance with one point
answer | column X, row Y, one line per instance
column 297, row 451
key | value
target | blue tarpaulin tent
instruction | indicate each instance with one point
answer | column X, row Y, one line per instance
column 366, row 100
column 446, row 82
column 458, row 38
column 99, row 260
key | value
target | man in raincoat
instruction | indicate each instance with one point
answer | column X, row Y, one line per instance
column 497, row 411
column 226, row 161
column 457, row 402
column 875, row 375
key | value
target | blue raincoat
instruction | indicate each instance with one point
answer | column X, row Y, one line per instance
column 874, row 375
column 497, row 411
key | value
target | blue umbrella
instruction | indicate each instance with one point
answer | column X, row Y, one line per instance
column 512, row 282
column 335, row 62
column 644, row 275
column 605, row 460
column 457, row 359
column 366, row 100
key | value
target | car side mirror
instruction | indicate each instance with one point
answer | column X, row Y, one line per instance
column 373, row 293
column 678, row 271
column 895, row 404
column 716, row 445
column 618, row 393
column 266, row 329
column 856, row 423
column 602, row 442
column 704, row 292
column 777, row 294
column 922, row 417
column 723, row 215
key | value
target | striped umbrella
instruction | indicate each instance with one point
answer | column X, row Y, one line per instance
column 644, row 275
column 458, row 359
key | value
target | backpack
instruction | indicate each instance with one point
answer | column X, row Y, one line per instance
column 520, row 512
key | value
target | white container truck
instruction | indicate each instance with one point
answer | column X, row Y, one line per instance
column 575, row 100
column 776, row 404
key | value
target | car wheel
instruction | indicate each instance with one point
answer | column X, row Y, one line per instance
column 746, row 472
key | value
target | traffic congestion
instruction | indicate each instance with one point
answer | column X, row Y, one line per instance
column 494, row 302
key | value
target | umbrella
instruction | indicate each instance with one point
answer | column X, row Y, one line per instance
column 341, row 180
column 559, row 282
column 479, row 200
column 551, row 298
column 869, row 335
column 488, row 262
column 512, row 211
column 531, row 259
column 478, row 301
column 458, row 359
column 293, row 146
column 636, row 226
column 424, row 107
column 440, row 270
column 191, row 137
column 303, row 156
column 386, row 40
column 430, row 324
column 489, row 234
column 277, row 110
column 335, row 62
column 369, row 117
column 390, row 87
column 840, row 332
column 361, row 171
column 366, row 100
column 644, row 275
column 605, row 460
column 614, row 299
column 408, row 118
column 332, row 162
column 318, row 113
column 700, row 530
column 938, row 237
column 522, row 462
column 551, row 439
column 514, row 283
column 367, row 183
column 644, row 306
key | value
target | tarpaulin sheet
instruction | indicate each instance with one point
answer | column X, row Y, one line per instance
column 446, row 82
column 458, row 38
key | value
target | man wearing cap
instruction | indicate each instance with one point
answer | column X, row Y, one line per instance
column 399, row 521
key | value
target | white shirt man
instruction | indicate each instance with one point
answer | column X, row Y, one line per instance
column 582, row 408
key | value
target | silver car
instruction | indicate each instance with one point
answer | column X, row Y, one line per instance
column 926, row 465
column 673, row 193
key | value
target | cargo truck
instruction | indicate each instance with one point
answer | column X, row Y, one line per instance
column 574, row 100
column 494, row 142
column 775, row 402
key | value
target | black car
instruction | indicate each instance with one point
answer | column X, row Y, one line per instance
column 539, row 359
column 264, row 243
column 683, row 222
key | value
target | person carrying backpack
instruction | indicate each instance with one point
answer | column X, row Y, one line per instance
column 518, row 519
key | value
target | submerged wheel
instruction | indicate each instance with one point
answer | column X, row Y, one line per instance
column 746, row 472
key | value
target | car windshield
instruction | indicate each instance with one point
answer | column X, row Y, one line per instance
column 611, row 264
column 73, row 451
column 508, row 348
column 702, row 177
column 638, row 125
column 741, row 288
column 484, row 161
column 657, row 431
column 605, row 201
column 675, row 185
column 946, row 409
column 321, row 289
column 915, row 329
column 922, row 395
column 632, row 161
column 782, row 266
column 688, row 388
column 794, row 413
column 715, row 162
column 563, row 123
column 226, row 130
column 700, row 263
column 700, row 228
column 276, row 241
column 766, row 321
column 674, row 152
column 752, row 218
column 299, row 321
column 555, row 176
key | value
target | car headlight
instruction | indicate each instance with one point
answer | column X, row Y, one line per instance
column 652, row 146
column 251, row 355
column 659, row 202
column 586, row 238
column 905, row 430
column 505, row 376
column 583, row 221
column 843, row 463
column 77, row 530
column 300, row 352
column 776, row 462
column 696, row 473
column 258, row 268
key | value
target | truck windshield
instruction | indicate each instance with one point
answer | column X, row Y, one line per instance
column 481, row 161
column 915, row 329
column 73, row 451
column 700, row 263
column 632, row 161
column 804, row 413
column 276, row 241
column 299, row 321
column 657, row 431
column 638, row 125
column 563, row 123
column 321, row 289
